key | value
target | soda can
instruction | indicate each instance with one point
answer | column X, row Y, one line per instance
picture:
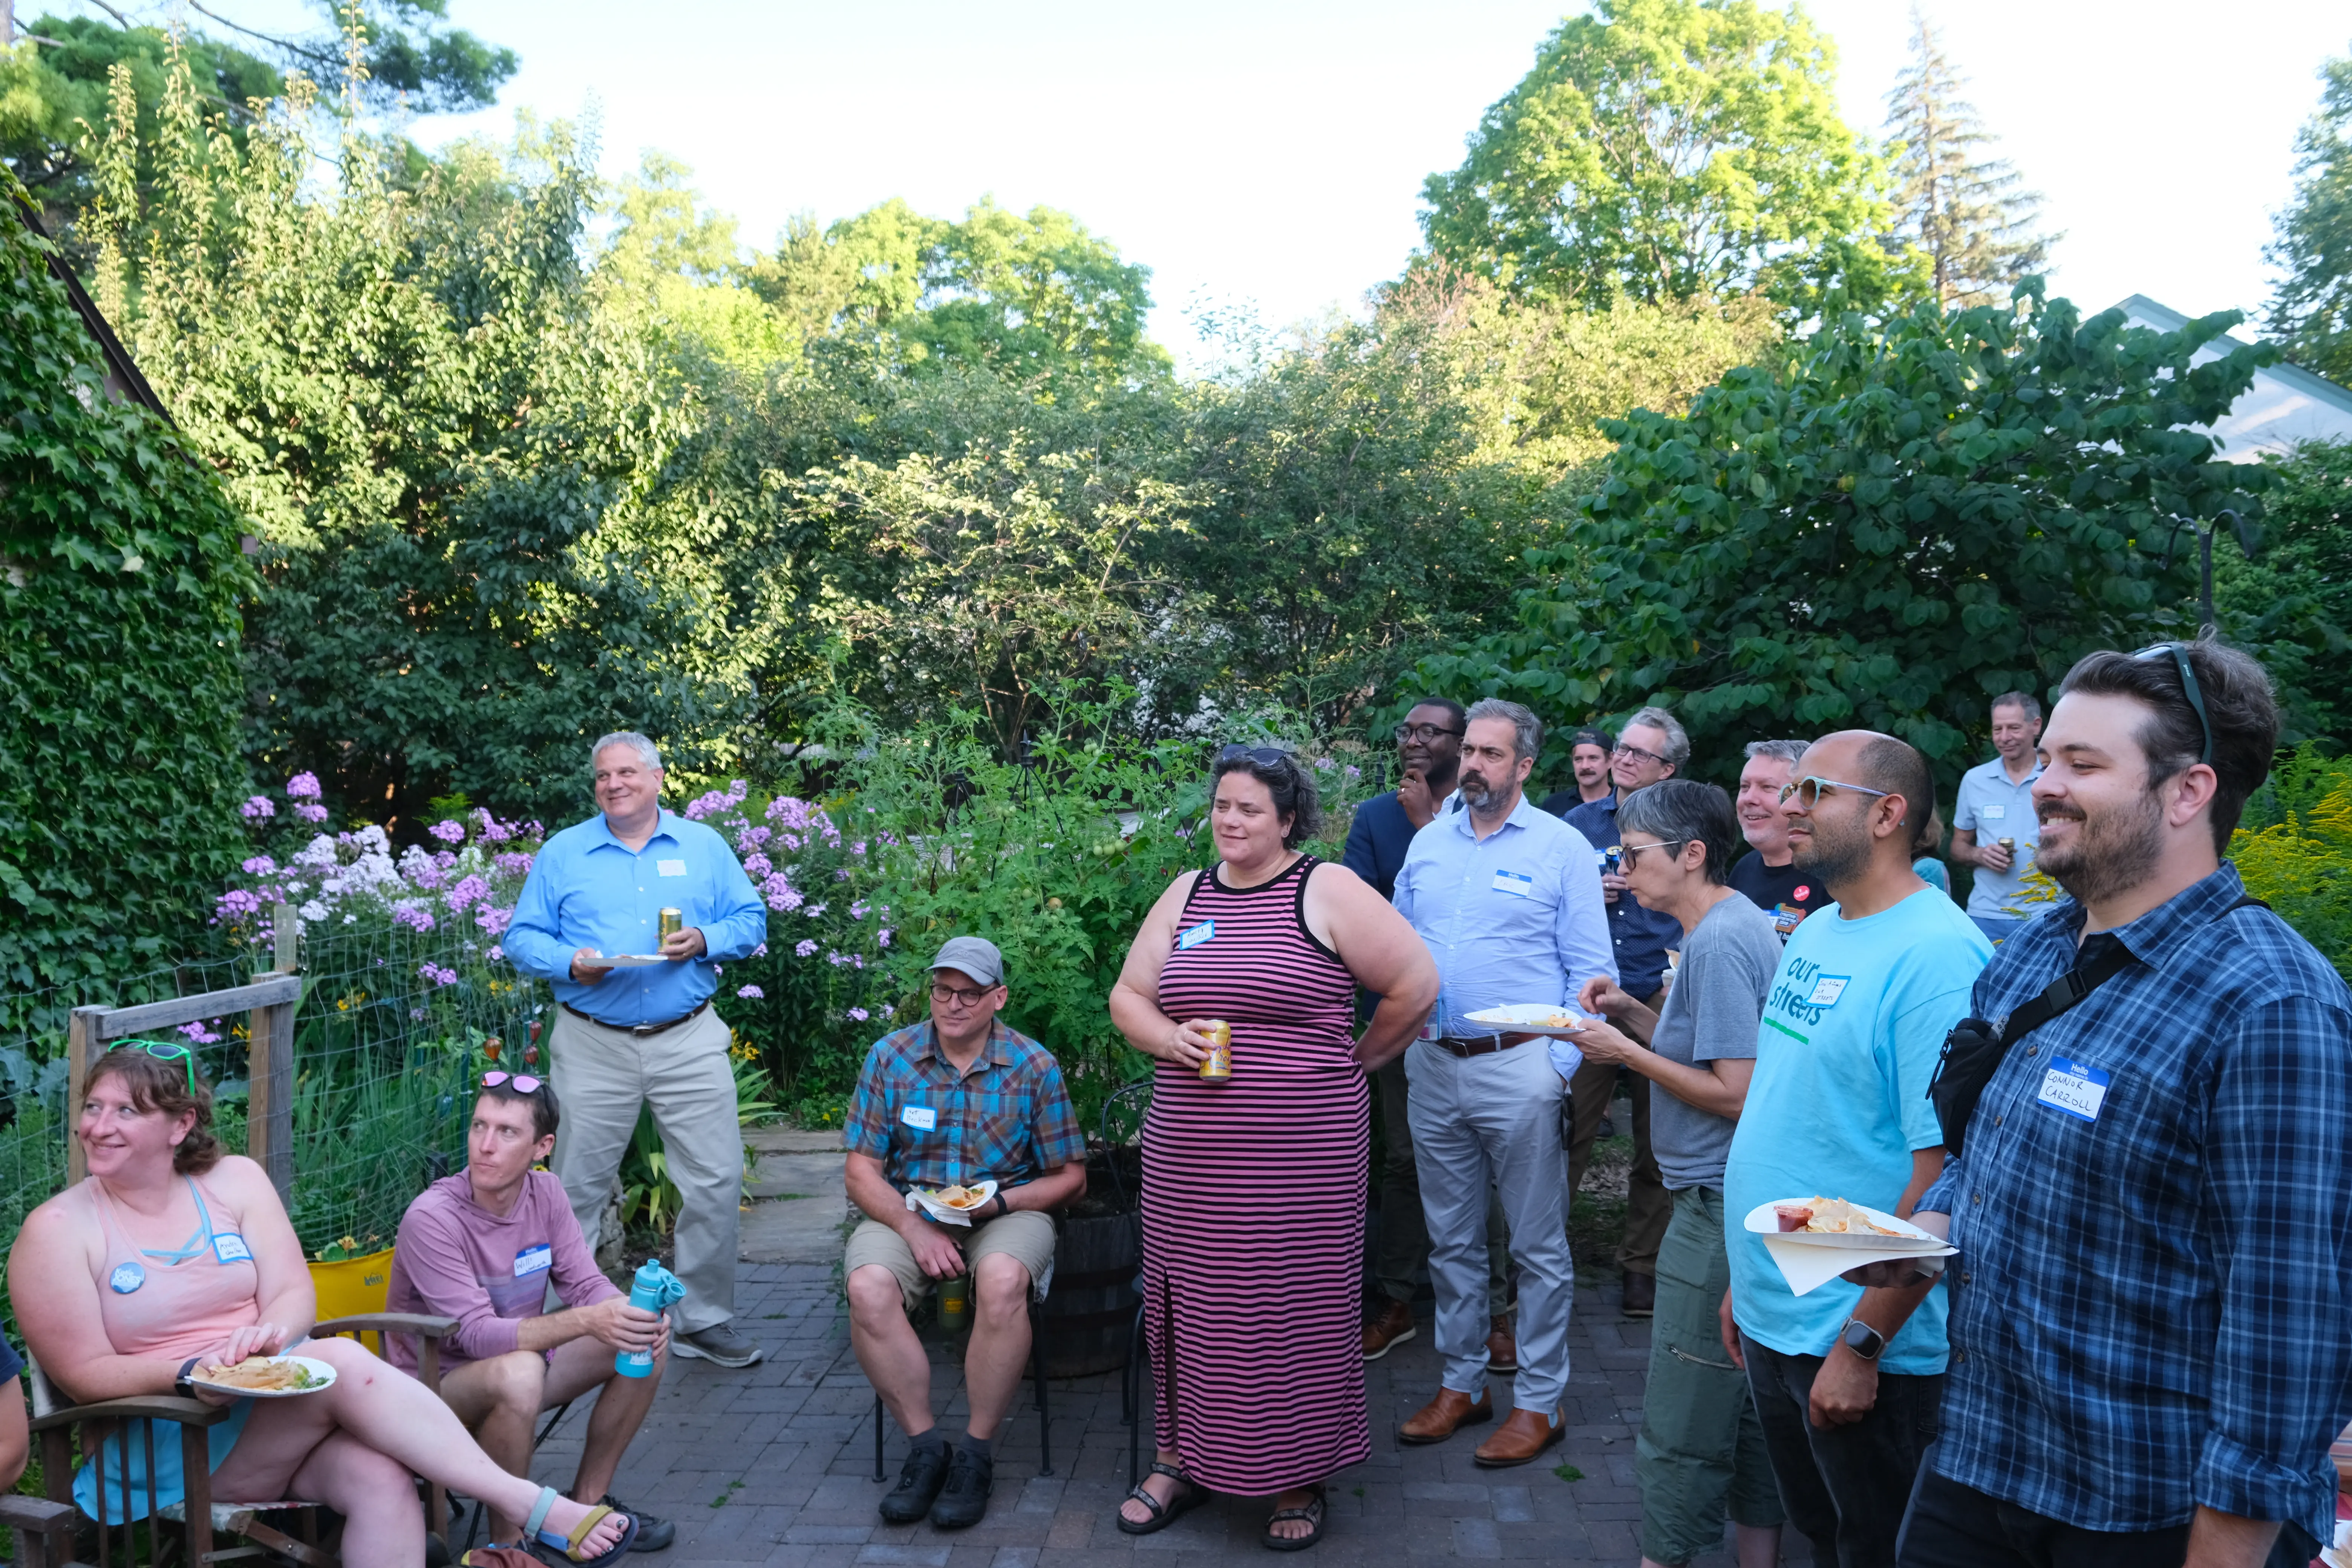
column 672, row 923
column 1218, row 1066
column 955, row 1302
column 2008, row 846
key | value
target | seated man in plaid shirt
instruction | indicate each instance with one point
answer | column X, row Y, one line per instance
column 958, row 1100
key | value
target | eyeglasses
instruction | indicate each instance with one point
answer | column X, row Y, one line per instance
column 1426, row 733
column 1626, row 751
column 1810, row 790
column 523, row 1083
column 1264, row 756
column 2188, row 686
column 1633, row 852
column 946, row 995
column 169, row 1050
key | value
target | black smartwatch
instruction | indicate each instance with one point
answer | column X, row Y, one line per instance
column 1002, row 1206
column 180, row 1385
column 1862, row 1339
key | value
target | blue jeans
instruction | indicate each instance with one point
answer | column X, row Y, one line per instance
column 1954, row 1526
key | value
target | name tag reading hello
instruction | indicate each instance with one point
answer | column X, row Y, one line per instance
column 230, row 1248
column 921, row 1117
column 670, row 868
column 1196, row 936
column 1515, row 883
column 2078, row 1089
column 534, row 1259
column 1828, row 989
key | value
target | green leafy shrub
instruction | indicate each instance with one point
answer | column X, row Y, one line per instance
column 2294, row 851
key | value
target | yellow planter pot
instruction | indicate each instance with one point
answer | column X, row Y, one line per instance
column 354, row 1285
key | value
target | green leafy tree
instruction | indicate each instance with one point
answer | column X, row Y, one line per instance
column 412, row 58
column 2290, row 605
column 1664, row 149
column 1967, row 214
column 2311, row 313
column 1895, row 524
column 120, row 581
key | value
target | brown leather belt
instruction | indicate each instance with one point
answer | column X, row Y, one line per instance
column 1481, row 1045
column 640, row 1030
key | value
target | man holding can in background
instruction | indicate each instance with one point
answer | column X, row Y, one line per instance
column 954, row 1102
column 632, row 1035
column 1994, row 828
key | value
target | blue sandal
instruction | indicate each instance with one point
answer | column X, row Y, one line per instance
column 569, row 1545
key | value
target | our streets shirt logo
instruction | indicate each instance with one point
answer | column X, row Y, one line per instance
column 1802, row 993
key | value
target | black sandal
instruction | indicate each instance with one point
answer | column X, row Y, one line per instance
column 1315, row 1513
column 1189, row 1494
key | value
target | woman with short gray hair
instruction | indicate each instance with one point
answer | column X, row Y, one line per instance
column 1701, row 1447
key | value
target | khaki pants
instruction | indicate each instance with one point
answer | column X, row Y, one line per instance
column 601, row 1077
column 1647, row 1207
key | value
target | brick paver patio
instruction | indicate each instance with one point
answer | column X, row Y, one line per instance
column 775, row 1465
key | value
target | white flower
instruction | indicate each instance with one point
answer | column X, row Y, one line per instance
column 313, row 911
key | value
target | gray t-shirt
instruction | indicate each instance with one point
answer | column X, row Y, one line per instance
column 1713, row 1013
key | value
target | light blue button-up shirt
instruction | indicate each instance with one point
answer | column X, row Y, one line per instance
column 1516, row 917
column 587, row 889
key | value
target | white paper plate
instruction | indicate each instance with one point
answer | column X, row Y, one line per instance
column 1520, row 1018
column 317, row 1368
column 946, row 1215
column 629, row 960
column 1764, row 1222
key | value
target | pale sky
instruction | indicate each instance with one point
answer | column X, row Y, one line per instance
column 1270, row 152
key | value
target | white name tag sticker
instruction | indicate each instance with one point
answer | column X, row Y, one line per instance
column 1196, row 936
column 1828, row 989
column 670, row 868
column 230, row 1248
column 1516, row 884
column 2078, row 1089
column 534, row 1259
column 921, row 1117
column 1992, row 813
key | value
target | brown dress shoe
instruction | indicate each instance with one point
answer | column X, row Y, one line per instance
column 1389, row 1329
column 1445, row 1415
column 1641, row 1300
column 1502, row 1350
column 1519, row 1439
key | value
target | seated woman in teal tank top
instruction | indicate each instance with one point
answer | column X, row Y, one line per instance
column 174, row 1255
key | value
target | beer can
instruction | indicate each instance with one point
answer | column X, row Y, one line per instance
column 2008, row 846
column 955, row 1301
column 672, row 923
column 1218, row 1066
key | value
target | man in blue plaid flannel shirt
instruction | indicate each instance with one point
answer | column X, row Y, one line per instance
column 957, row 1101
column 2151, row 1312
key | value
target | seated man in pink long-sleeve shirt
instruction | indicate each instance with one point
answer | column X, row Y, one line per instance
column 483, row 1247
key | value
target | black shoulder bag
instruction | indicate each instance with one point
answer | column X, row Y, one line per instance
column 1974, row 1048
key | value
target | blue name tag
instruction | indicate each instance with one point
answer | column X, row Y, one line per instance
column 921, row 1117
column 1196, row 936
column 1516, row 884
column 2078, row 1089
column 230, row 1248
column 534, row 1259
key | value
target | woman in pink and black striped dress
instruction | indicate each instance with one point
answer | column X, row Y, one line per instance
column 1253, row 1188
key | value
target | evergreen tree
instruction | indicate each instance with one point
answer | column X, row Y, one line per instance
column 2311, row 315
column 1964, row 213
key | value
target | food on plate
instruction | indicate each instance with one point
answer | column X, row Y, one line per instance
column 1793, row 1217
column 960, row 1197
column 1833, row 1217
column 264, row 1374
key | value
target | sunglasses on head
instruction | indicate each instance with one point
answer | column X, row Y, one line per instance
column 169, row 1050
column 2188, row 686
column 1264, row 756
column 523, row 1083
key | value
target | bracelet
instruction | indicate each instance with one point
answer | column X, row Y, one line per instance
column 180, row 1385
column 1002, row 1206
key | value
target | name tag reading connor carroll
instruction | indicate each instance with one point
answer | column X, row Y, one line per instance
column 2078, row 1089
column 1517, row 883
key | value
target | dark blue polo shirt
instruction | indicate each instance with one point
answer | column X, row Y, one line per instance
column 1640, row 937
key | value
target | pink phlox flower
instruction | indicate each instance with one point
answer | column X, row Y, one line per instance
column 236, row 904
column 494, row 920
column 201, row 1034
column 303, row 786
column 841, row 873
column 490, row 827
column 498, row 954
column 261, row 866
column 858, row 848
column 756, row 865
column 468, row 891
column 446, row 858
column 411, row 915
column 813, row 911
column 735, row 790
column 857, row 961
column 857, row 909
column 438, row 976
column 791, row 811
column 888, row 1011
column 448, row 831
column 888, row 839
column 310, row 811
column 416, row 1013
column 882, row 937
column 750, row 993
column 803, row 947
column 792, row 841
column 780, row 893
column 258, row 807
column 752, row 839
column 761, row 951
column 705, row 803
column 859, row 1013
column 513, row 863
column 836, row 959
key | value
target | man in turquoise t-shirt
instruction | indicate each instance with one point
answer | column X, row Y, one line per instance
column 1847, row 1382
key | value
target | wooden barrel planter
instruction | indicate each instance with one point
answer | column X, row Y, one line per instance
column 1089, row 1313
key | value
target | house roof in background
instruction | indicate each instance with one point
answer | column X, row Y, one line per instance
column 2286, row 405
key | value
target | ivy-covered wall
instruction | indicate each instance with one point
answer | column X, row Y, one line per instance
column 120, row 577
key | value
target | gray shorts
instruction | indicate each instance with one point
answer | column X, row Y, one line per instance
column 1024, row 1235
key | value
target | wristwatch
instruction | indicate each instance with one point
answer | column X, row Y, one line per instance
column 181, row 1385
column 1002, row 1206
column 1862, row 1339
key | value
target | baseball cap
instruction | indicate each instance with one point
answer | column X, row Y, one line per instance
column 976, row 956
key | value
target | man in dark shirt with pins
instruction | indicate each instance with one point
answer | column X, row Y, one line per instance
column 2151, row 1312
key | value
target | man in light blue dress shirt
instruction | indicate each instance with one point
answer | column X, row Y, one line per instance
column 635, row 1027
column 1507, row 898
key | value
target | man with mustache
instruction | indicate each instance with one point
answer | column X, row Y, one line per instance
column 1507, row 899
column 1429, row 753
column 1588, row 762
column 2151, row 1310
column 1846, row 1380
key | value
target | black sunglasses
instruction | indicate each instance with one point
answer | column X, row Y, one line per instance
column 1264, row 756
column 2188, row 686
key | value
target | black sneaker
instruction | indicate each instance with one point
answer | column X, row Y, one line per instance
column 965, row 1496
column 919, row 1483
column 652, row 1534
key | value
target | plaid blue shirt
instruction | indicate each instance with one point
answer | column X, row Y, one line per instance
column 2152, row 1306
column 1008, row 1119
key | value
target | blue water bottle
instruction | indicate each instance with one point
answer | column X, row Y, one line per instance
column 653, row 1289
